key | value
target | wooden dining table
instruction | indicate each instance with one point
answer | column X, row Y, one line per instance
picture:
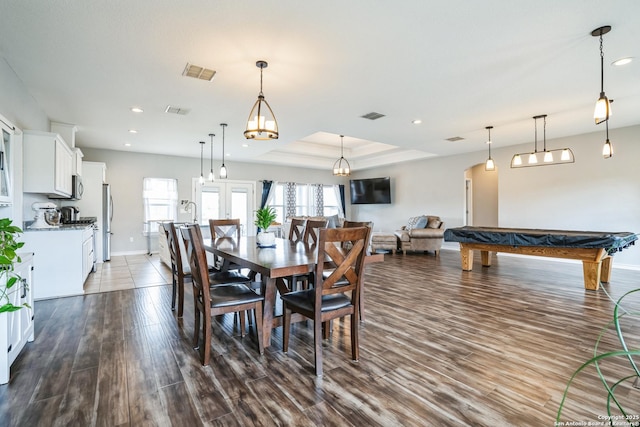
column 285, row 259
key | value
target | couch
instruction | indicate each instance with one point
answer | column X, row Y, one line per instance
column 422, row 233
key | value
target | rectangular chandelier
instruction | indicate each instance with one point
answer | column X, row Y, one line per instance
column 543, row 158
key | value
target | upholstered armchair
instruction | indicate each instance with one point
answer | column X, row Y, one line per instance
column 422, row 233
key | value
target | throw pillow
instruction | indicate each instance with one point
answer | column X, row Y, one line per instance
column 411, row 224
column 421, row 223
column 433, row 223
column 332, row 221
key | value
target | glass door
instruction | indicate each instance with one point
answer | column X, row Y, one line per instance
column 230, row 199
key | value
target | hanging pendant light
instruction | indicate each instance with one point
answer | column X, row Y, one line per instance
column 262, row 124
column 211, row 177
column 341, row 167
column 607, row 149
column 603, row 106
column 548, row 157
column 223, row 168
column 201, row 156
column 490, row 164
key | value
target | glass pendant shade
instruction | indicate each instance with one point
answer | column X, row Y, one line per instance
column 261, row 124
column 341, row 167
column 516, row 160
column 607, row 150
column 548, row 157
column 602, row 111
column 223, row 168
column 489, row 164
column 533, row 159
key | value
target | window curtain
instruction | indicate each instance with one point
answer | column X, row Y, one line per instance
column 290, row 199
column 339, row 189
column 266, row 191
column 318, row 197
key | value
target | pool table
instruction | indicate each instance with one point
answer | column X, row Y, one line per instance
column 594, row 249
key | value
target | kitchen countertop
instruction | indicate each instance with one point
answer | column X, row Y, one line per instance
column 63, row 227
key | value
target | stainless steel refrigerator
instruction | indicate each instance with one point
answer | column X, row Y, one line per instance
column 107, row 216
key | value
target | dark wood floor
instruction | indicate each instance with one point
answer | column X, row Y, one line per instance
column 491, row 347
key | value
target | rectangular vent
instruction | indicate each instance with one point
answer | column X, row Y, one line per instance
column 455, row 138
column 176, row 110
column 198, row 72
column 372, row 116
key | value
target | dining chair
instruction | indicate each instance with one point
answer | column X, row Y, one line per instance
column 216, row 300
column 296, row 234
column 181, row 270
column 311, row 230
column 335, row 296
column 225, row 231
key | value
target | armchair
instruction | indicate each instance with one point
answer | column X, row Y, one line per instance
column 422, row 233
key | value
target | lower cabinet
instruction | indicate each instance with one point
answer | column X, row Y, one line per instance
column 16, row 328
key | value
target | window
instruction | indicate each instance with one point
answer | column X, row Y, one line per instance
column 160, row 196
column 306, row 200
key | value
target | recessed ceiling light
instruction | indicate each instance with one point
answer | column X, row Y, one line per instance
column 416, row 121
column 622, row 61
column 126, row 144
column 133, row 131
column 245, row 145
column 137, row 109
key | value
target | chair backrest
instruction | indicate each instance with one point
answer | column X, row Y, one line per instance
column 345, row 261
column 197, row 259
column 296, row 232
column 180, row 265
column 311, row 230
column 352, row 224
column 225, row 229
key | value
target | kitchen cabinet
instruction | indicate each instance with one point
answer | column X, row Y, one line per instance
column 61, row 259
column 48, row 164
column 77, row 161
column 16, row 328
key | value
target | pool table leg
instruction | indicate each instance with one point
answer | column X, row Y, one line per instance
column 466, row 257
column 605, row 273
column 486, row 258
column 592, row 271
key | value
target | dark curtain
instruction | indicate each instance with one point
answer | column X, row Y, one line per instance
column 342, row 201
column 266, row 187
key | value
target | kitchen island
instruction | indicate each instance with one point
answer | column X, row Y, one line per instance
column 63, row 259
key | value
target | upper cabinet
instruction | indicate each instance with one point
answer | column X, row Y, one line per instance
column 6, row 191
column 48, row 164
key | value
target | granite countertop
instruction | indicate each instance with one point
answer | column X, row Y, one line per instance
column 62, row 227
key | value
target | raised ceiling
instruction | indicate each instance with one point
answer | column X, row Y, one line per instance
column 456, row 65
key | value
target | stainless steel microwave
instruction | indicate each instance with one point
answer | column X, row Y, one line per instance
column 76, row 191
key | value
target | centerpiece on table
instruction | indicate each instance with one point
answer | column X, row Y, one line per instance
column 264, row 218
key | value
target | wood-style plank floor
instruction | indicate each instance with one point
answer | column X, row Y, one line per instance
column 491, row 347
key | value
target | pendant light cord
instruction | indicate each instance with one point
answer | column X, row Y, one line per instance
column 601, row 66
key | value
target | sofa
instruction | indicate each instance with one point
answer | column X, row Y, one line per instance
column 422, row 233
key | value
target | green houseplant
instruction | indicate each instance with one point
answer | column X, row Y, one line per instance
column 264, row 217
column 8, row 257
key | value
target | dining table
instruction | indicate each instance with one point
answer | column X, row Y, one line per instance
column 274, row 263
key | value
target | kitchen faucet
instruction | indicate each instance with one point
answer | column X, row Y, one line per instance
column 195, row 211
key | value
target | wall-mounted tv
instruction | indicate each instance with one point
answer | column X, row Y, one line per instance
column 370, row 191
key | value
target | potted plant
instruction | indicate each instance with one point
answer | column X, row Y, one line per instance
column 264, row 217
column 8, row 257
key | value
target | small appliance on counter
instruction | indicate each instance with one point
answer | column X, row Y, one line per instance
column 47, row 215
column 69, row 214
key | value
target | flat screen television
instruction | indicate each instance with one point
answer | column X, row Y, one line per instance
column 370, row 191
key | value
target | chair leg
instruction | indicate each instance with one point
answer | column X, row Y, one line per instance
column 258, row 314
column 355, row 349
column 180, row 297
column 361, row 302
column 286, row 328
column 317, row 342
column 173, row 289
column 207, row 340
column 242, row 323
column 196, row 323
column 326, row 330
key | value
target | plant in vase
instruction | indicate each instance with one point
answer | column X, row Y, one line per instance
column 264, row 218
column 8, row 257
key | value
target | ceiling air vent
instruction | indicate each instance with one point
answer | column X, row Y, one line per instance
column 176, row 110
column 198, row 72
column 372, row 116
column 455, row 138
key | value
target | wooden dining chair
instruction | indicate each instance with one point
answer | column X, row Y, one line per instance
column 311, row 230
column 181, row 270
column 225, row 231
column 216, row 300
column 296, row 234
column 332, row 297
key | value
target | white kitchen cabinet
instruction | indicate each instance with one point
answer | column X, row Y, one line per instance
column 48, row 164
column 16, row 328
column 87, row 254
column 77, row 161
column 59, row 260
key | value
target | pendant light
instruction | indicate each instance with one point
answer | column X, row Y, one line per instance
column 201, row 155
column 603, row 106
column 223, row 168
column 490, row 164
column 211, row 177
column 262, row 124
column 548, row 157
column 607, row 149
column 341, row 167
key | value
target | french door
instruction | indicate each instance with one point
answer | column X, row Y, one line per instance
column 228, row 199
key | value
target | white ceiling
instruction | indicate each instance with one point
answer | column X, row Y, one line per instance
column 456, row 65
